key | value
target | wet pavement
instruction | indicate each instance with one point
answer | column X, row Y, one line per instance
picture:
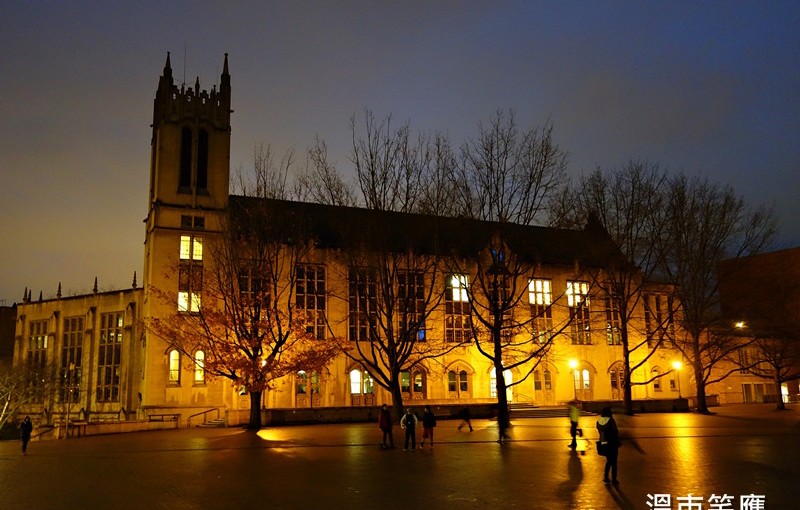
column 742, row 450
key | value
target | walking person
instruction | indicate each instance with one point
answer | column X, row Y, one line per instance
column 609, row 444
column 385, row 424
column 574, row 430
column 428, row 423
column 465, row 419
column 25, row 431
column 409, row 423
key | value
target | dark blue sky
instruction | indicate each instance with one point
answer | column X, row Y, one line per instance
column 708, row 88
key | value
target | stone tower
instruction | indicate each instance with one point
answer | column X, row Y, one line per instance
column 189, row 180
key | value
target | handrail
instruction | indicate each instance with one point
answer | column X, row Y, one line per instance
column 203, row 413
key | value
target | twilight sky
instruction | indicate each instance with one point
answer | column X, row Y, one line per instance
column 708, row 88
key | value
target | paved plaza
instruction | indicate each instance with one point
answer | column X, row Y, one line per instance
column 742, row 450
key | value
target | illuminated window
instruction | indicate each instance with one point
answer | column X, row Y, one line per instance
column 507, row 377
column 190, row 273
column 360, row 382
column 199, row 367
column 310, row 298
column 174, row 367
column 108, row 357
column 37, row 354
column 578, row 302
column 540, row 297
column 71, row 359
column 457, row 325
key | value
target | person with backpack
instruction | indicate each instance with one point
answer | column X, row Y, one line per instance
column 409, row 423
column 428, row 423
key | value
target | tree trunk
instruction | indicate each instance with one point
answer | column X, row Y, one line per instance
column 781, row 405
column 503, row 417
column 702, row 406
column 255, row 411
column 397, row 399
column 626, row 383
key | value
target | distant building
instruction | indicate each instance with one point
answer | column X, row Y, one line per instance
column 8, row 315
column 760, row 298
column 98, row 347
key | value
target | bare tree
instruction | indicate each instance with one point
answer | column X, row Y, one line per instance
column 321, row 183
column 505, row 176
column 707, row 223
column 628, row 203
column 255, row 313
column 21, row 386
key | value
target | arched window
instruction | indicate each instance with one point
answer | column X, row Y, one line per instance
column 199, row 367
column 185, row 181
column 360, row 382
column 507, row 377
column 458, row 383
column 174, row 367
column 655, row 374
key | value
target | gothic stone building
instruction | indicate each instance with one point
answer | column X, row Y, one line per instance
column 114, row 368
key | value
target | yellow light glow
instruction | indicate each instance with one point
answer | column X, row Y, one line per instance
column 677, row 365
column 739, row 325
column 573, row 363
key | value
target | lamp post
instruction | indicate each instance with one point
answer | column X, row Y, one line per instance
column 70, row 370
column 573, row 364
column 677, row 365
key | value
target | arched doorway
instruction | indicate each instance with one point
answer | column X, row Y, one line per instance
column 509, row 378
column 582, row 382
column 543, row 390
column 617, row 375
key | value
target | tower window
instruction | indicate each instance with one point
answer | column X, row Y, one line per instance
column 202, row 160
column 185, row 182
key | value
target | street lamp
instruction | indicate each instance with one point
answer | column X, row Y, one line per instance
column 677, row 365
column 573, row 364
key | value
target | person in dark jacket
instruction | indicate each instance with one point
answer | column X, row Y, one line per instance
column 25, row 431
column 385, row 424
column 428, row 422
column 409, row 423
column 465, row 419
column 609, row 439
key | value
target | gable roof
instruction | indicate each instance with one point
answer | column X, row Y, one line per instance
column 340, row 227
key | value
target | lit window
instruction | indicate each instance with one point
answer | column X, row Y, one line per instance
column 199, row 367
column 458, row 383
column 174, row 366
column 656, row 379
column 457, row 325
column 540, row 296
column 190, row 273
column 360, row 382
column 458, row 284
column 108, row 356
column 578, row 301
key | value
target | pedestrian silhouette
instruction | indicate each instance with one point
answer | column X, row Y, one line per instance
column 409, row 423
column 428, row 423
column 608, row 444
column 385, row 424
column 465, row 419
column 574, row 430
column 25, row 431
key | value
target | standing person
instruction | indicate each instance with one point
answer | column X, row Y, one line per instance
column 409, row 422
column 385, row 424
column 609, row 439
column 25, row 431
column 574, row 416
column 428, row 422
column 465, row 420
